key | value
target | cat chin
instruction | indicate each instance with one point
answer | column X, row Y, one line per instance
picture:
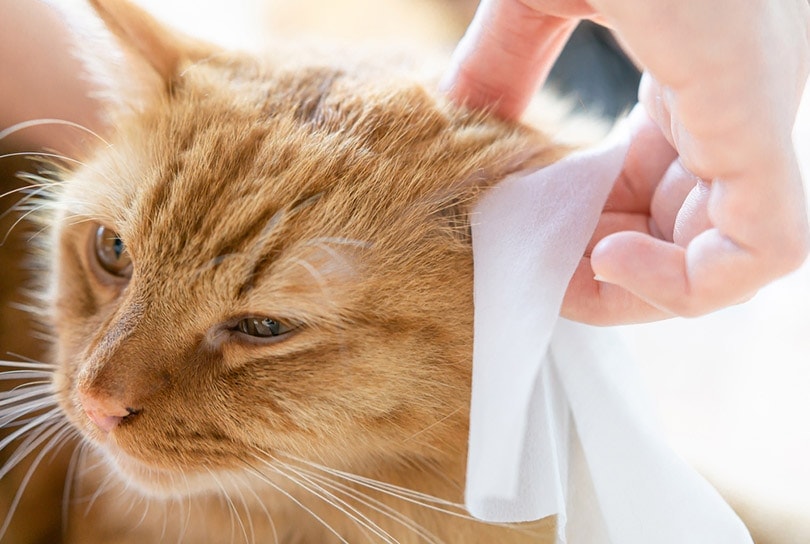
column 157, row 482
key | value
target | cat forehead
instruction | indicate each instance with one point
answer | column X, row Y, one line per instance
column 225, row 116
column 236, row 145
column 244, row 133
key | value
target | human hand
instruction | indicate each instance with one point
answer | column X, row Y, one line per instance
column 709, row 206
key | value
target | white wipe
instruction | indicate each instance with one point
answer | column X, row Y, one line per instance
column 559, row 423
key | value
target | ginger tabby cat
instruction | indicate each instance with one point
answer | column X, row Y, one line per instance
column 261, row 302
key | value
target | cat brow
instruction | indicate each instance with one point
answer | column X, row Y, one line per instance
column 267, row 246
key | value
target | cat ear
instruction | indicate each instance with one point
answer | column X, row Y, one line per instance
column 163, row 49
column 130, row 58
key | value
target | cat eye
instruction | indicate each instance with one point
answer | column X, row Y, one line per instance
column 262, row 327
column 111, row 253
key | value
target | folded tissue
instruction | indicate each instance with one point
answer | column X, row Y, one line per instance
column 559, row 422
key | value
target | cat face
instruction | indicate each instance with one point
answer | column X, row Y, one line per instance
column 271, row 261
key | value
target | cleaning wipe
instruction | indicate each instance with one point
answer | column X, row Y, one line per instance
column 559, row 423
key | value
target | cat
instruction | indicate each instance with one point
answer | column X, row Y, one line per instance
column 260, row 301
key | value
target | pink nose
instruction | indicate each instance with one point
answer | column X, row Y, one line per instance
column 105, row 412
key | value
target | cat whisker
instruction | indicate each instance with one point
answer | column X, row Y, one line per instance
column 39, row 420
column 44, row 155
column 317, row 484
column 73, row 223
column 261, row 476
column 372, row 503
column 53, row 158
column 169, row 510
column 266, row 513
column 146, row 504
column 21, row 370
column 22, row 374
column 54, row 444
column 5, row 133
column 9, row 375
column 26, row 362
column 20, row 220
column 223, row 504
column 414, row 497
column 246, row 508
column 80, row 220
column 231, row 507
column 131, row 506
column 25, row 390
column 339, row 504
column 41, row 179
column 165, row 525
column 36, row 182
column 27, row 189
column 70, row 478
column 103, row 488
column 181, row 534
column 315, row 273
column 30, row 202
column 31, row 442
column 63, row 204
column 32, row 192
column 432, row 425
column 183, row 517
column 14, row 415
column 90, row 468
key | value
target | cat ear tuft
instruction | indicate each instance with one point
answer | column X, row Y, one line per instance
column 163, row 49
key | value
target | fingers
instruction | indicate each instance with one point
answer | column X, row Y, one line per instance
column 711, row 273
column 693, row 215
column 505, row 56
column 675, row 187
column 612, row 222
column 699, row 267
column 647, row 160
column 598, row 303
column 684, row 260
column 702, row 267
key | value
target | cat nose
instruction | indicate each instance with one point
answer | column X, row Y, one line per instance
column 106, row 412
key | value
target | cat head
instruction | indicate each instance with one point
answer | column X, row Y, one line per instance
column 270, row 259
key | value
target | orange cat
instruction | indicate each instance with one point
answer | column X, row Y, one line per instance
column 261, row 302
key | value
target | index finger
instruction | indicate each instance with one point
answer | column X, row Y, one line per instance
column 505, row 56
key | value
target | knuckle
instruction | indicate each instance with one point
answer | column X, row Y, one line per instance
column 690, row 307
column 792, row 252
column 695, row 304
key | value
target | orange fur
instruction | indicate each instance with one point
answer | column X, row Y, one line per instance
column 332, row 197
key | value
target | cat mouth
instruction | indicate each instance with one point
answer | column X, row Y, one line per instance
column 157, row 474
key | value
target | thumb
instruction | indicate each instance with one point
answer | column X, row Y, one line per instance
column 505, row 56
